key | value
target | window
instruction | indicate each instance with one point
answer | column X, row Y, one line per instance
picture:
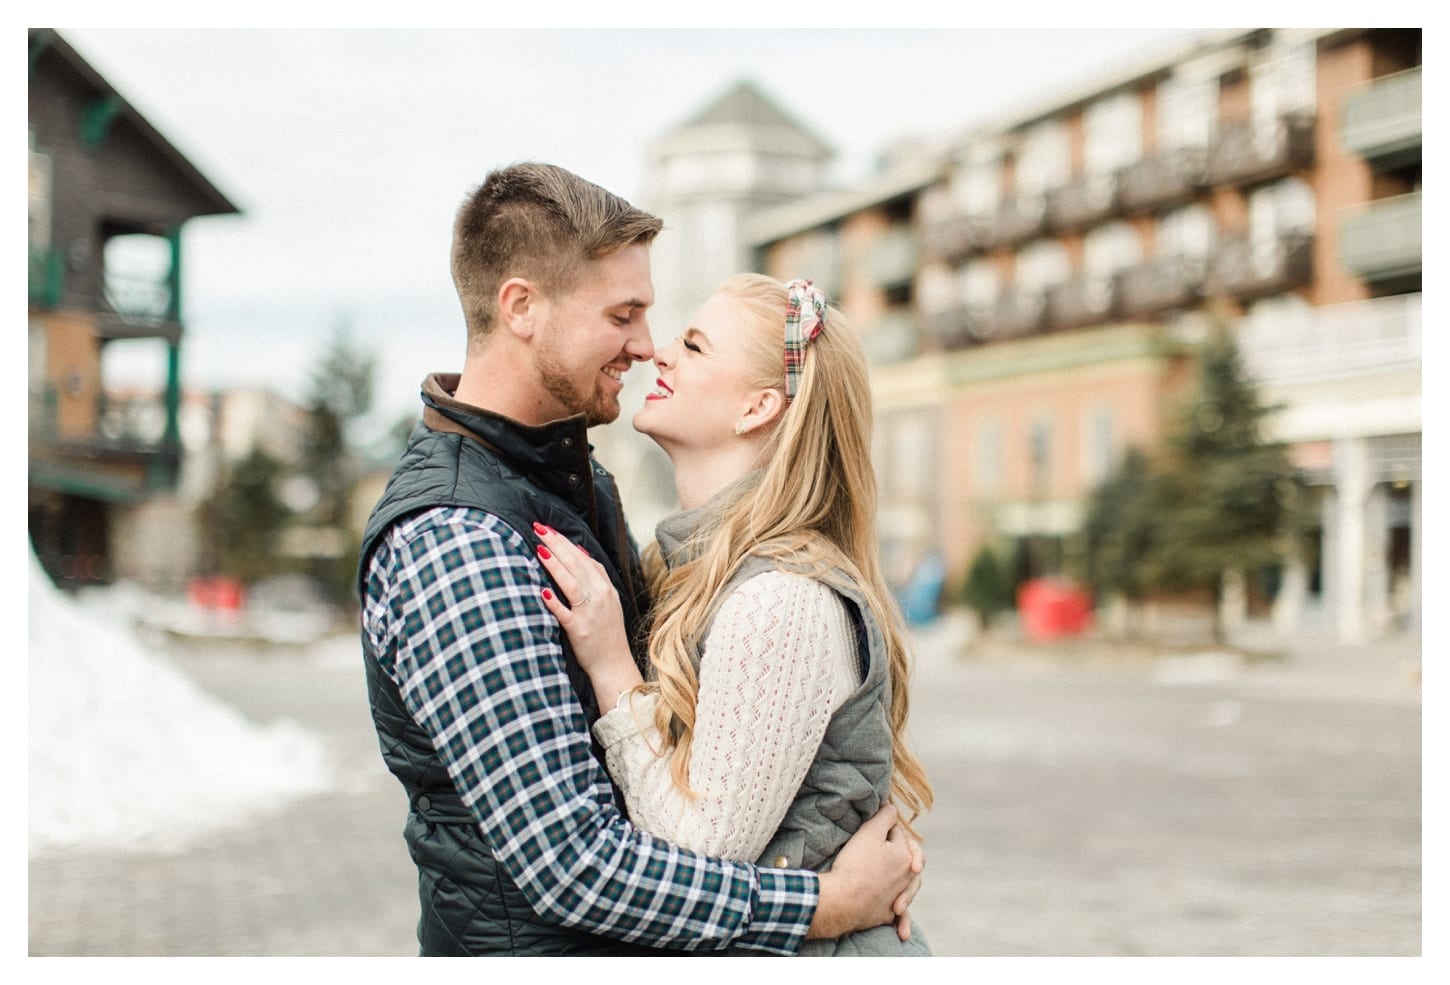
column 936, row 288
column 980, row 284
column 978, row 187
column 1283, row 81
column 1187, row 111
column 987, row 455
column 1044, row 158
column 1110, row 248
column 1041, row 265
column 1099, row 453
column 1112, row 133
column 1186, row 232
column 1039, row 451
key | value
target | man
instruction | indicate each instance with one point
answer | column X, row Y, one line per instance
column 482, row 713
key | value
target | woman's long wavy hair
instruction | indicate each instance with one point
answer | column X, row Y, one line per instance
column 811, row 508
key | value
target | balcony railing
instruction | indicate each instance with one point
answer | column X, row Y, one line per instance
column 1085, row 300
column 1163, row 180
column 1161, row 284
column 1017, row 312
column 947, row 328
column 955, row 236
column 1020, row 217
column 1244, row 267
column 1383, row 240
column 1082, row 201
column 1246, row 152
column 1382, row 119
column 1335, row 341
column 135, row 306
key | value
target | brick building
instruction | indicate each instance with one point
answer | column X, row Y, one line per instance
column 1030, row 291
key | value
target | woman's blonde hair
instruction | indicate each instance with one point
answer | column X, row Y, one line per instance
column 811, row 508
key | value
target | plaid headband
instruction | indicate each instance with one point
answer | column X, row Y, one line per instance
column 805, row 316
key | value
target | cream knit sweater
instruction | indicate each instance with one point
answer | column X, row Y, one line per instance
column 779, row 660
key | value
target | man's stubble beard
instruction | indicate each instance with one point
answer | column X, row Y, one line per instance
column 559, row 384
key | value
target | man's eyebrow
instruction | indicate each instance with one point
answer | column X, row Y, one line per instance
column 631, row 303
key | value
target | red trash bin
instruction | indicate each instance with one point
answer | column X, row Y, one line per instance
column 1049, row 608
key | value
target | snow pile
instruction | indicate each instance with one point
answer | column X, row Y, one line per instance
column 126, row 752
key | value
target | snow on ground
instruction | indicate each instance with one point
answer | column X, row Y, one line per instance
column 127, row 752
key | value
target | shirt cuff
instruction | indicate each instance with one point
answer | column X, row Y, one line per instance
column 785, row 904
column 619, row 723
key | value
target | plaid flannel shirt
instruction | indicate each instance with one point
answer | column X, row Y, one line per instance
column 452, row 607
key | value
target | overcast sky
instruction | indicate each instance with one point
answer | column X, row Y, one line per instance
column 349, row 150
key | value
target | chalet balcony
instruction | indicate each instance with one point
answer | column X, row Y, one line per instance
column 1162, row 180
column 1021, row 217
column 1084, row 200
column 1246, row 153
column 138, row 307
column 1161, row 284
column 947, row 328
column 1016, row 313
column 1244, row 269
column 1087, row 300
column 1383, row 240
column 107, row 463
column 1381, row 120
column 956, row 236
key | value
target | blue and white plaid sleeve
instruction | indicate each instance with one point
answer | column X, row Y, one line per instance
column 452, row 605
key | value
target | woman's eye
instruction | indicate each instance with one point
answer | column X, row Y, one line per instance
column 690, row 345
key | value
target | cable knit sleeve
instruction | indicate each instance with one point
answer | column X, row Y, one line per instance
column 780, row 659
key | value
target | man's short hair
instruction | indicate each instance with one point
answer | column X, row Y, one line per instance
column 539, row 222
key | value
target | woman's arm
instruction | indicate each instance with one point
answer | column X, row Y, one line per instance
column 778, row 662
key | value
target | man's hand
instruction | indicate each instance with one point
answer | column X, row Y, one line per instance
column 873, row 880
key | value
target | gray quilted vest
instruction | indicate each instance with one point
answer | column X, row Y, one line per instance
column 850, row 777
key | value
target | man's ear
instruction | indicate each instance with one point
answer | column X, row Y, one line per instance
column 762, row 409
column 518, row 305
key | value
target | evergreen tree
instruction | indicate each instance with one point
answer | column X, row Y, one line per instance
column 987, row 589
column 250, row 517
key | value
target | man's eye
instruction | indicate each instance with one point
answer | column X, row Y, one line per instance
column 622, row 320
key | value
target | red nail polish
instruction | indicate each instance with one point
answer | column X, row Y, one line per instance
column 540, row 529
column 548, row 595
column 581, row 548
column 544, row 552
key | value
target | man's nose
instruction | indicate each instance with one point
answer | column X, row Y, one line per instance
column 640, row 346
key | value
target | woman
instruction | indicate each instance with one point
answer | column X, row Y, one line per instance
column 773, row 723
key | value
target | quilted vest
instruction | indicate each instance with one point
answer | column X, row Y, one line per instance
column 850, row 777
column 461, row 456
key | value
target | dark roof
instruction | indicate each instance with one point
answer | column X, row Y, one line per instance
column 744, row 103
column 44, row 41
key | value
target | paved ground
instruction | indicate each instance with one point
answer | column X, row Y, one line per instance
column 1086, row 806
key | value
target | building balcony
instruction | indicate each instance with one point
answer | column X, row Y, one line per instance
column 953, row 237
column 893, row 338
column 946, row 328
column 1086, row 199
column 1161, row 284
column 1383, row 240
column 1380, row 120
column 1245, row 153
column 1244, row 268
column 104, row 464
column 892, row 260
column 138, row 307
column 1163, row 180
column 1016, row 313
column 1086, row 300
column 1337, row 341
column 1021, row 217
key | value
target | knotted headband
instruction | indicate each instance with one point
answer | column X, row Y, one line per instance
column 805, row 316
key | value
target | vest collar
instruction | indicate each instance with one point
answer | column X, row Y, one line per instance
column 553, row 455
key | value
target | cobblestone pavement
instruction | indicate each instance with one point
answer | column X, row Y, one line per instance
column 1083, row 808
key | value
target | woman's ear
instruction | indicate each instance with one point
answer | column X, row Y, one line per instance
column 762, row 409
column 517, row 305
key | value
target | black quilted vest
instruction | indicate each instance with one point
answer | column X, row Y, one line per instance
column 463, row 456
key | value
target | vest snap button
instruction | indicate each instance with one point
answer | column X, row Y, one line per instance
column 568, row 442
column 424, row 803
column 782, row 862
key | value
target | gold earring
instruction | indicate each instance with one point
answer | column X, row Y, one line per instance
column 739, row 427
